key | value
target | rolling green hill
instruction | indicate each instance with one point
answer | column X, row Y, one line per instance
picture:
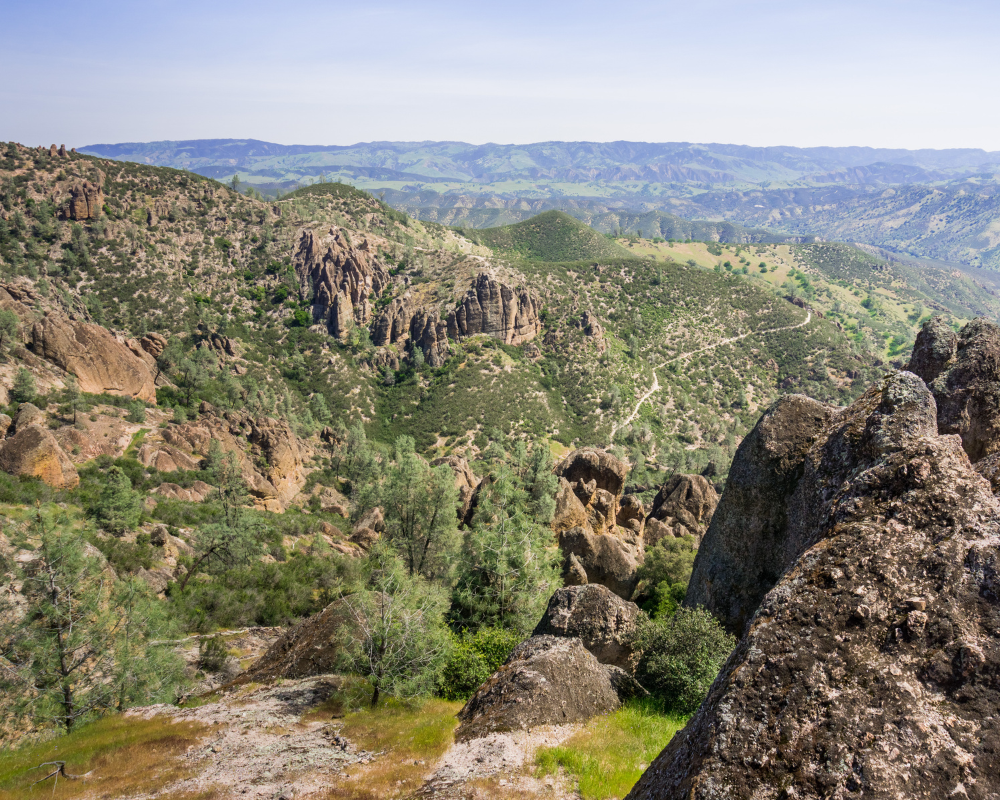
column 551, row 236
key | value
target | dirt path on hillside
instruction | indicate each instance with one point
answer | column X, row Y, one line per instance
column 656, row 383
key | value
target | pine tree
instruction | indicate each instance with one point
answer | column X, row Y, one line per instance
column 24, row 389
column 119, row 505
column 420, row 520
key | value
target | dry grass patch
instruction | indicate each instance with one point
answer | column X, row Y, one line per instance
column 124, row 756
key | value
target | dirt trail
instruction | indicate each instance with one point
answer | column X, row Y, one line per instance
column 656, row 383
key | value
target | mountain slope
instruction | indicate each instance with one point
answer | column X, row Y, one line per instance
column 551, row 236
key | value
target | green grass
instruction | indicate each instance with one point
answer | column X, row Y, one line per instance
column 552, row 236
column 125, row 754
column 610, row 753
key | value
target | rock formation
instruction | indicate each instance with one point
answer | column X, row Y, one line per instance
column 547, row 680
column 600, row 537
column 683, row 506
column 86, row 200
column 33, row 451
column 495, row 309
column 341, row 280
column 269, row 452
column 98, row 360
column 602, row 621
column 313, row 647
column 466, row 482
column 746, row 548
column 963, row 372
column 869, row 669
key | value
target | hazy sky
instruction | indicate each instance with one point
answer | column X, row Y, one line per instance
column 886, row 73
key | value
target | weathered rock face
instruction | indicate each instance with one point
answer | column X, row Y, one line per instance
column 599, row 534
column 340, row 279
column 495, row 309
column 869, row 670
column 683, row 506
column 404, row 322
column 547, row 680
column 85, row 202
column 98, row 360
column 27, row 414
column 602, row 621
column 272, row 464
column 934, row 348
column 746, row 548
column 963, row 372
column 34, row 451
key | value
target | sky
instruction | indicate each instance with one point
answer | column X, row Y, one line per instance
column 881, row 73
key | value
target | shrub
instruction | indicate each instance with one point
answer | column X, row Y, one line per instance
column 665, row 574
column 212, row 654
column 136, row 412
column 681, row 655
column 473, row 659
column 24, row 389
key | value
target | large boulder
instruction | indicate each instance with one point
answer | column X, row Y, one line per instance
column 869, row 669
column 608, row 559
column 747, row 548
column 34, row 451
column 683, row 506
column 964, row 375
column 603, row 622
column 313, row 647
column 98, row 360
column 547, row 680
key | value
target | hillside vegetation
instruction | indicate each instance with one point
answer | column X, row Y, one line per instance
column 552, row 236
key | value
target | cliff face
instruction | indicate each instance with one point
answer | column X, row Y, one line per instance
column 341, row 279
column 868, row 669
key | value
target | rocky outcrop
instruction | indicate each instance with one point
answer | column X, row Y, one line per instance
column 600, row 535
column 313, row 647
column 195, row 493
column 934, row 348
column 869, row 669
column 166, row 458
column 27, row 414
column 963, row 372
column 98, row 360
column 269, row 453
column 466, row 482
column 749, row 544
column 495, row 309
column 86, row 200
column 683, row 506
column 547, row 680
column 33, row 451
column 600, row 619
column 341, row 280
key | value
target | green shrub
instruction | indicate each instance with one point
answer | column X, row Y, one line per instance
column 24, row 389
column 136, row 412
column 212, row 654
column 681, row 655
column 665, row 573
column 473, row 659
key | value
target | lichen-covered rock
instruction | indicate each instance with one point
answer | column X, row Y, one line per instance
column 746, row 549
column 547, row 680
column 340, row 279
column 603, row 621
column 34, row 451
column 495, row 309
column 966, row 386
column 98, row 360
column 313, row 647
column 869, row 669
column 27, row 414
column 683, row 506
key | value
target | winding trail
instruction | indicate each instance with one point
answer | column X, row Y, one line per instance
column 656, row 382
